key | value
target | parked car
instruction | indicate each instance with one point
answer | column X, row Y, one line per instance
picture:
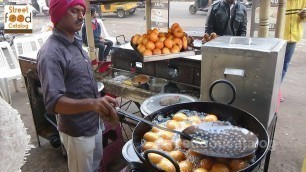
column 122, row 9
column 18, row 2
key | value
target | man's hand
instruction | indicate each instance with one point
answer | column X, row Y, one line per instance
column 105, row 106
column 302, row 14
column 102, row 40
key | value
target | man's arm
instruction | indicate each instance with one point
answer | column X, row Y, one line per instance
column 105, row 106
column 99, row 28
column 51, row 72
column 302, row 15
column 243, row 26
column 209, row 26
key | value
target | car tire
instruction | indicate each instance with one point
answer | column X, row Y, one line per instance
column 132, row 11
column 120, row 13
column 192, row 9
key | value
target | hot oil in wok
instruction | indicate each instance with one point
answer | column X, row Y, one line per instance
column 171, row 143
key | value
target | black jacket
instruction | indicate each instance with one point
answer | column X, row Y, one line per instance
column 219, row 17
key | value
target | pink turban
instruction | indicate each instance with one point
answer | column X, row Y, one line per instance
column 58, row 8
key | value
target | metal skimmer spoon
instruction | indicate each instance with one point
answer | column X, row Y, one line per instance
column 216, row 139
column 220, row 139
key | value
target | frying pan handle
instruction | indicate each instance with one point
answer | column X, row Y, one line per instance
column 124, row 114
column 117, row 40
column 146, row 156
column 225, row 82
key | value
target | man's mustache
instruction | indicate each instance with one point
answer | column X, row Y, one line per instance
column 79, row 22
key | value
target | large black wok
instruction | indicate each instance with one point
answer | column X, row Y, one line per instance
column 224, row 112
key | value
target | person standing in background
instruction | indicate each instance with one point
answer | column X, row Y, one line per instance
column 293, row 31
column 227, row 17
column 70, row 89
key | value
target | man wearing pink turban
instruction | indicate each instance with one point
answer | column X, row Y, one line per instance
column 70, row 89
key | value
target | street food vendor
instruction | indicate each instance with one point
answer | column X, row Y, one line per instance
column 227, row 17
column 70, row 90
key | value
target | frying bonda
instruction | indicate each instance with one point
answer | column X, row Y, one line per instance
column 193, row 153
column 179, row 116
column 172, row 124
column 155, row 158
column 222, row 160
column 211, row 118
column 200, row 170
column 149, row 145
column 194, row 119
column 166, row 135
column 186, row 166
column 177, row 155
column 150, row 136
column 155, row 130
column 237, row 164
column 167, row 145
column 185, row 125
column 219, row 168
column 166, row 165
column 206, row 163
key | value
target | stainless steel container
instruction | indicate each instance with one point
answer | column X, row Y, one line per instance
column 252, row 65
column 158, row 84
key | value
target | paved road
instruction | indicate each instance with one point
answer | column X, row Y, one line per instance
column 133, row 24
column 178, row 14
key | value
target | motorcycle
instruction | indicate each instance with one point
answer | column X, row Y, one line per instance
column 247, row 3
column 200, row 5
column 39, row 6
column 6, row 37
